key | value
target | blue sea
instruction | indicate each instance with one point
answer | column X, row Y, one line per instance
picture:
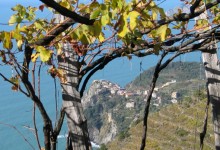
column 16, row 110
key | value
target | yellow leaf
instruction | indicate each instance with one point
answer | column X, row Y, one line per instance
column 61, row 76
column 140, row 4
column 152, row 4
column 23, row 29
column 154, row 14
column 59, row 49
column 133, row 19
column 101, row 37
column 105, row 19
column 95, row 14
column 15, row 80
column 38, row 25
column 147, row 24
column 162, row 32
column 7, row 41
column 45, row 54
column 201, row 24
column 19, row 44
column 34, row 57
column 66, row 4
column 12, row 20
column 123, row 27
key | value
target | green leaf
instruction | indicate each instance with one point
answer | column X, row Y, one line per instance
column 14, row 19
column 152, row 34
column 103, row 9
column 177, row 26
column 120, row 4
column 162, row 13
column 97, row 28
column 157, row 49
column 15, row 80
column 105, row 19
column 216, row 20
column 133, row 19
column 17, row 7
column 95, row 14
column 75, row 35
column 38, row 25
column 162, row 32
column 85, row 39
column 16, row 35
column 147, row 24
column 44, row 53
column 23, row 29
column 114, row 4
column 201, row 24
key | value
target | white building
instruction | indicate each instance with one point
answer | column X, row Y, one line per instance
column 154, row 95
column 174, row 101
column 159, row 100
column 156, row 89
column 130, row 105
column 121, row 92
column 128, row 94
column 175, row 95
column 146, row 92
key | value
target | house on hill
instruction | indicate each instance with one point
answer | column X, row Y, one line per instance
column 130, row 105
column 175, row 95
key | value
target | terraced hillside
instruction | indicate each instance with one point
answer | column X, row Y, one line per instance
column 175, row 127
column 111, row 109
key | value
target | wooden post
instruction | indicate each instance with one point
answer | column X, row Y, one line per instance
column 212, row 73
column 76, row 121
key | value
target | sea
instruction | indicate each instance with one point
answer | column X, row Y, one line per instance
column 16, row 109
column 16, row 114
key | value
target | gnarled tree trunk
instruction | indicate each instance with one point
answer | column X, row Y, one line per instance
column 77, row 124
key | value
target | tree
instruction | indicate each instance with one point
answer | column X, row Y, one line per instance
column 91, row 36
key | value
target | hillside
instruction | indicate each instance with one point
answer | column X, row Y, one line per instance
column 175, row 127
column 179, row 71
column 111, row 109
column 172, row 82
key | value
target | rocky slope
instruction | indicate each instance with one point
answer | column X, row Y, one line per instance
column 111, row 109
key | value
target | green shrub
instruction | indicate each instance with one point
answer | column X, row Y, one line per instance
column 181, row 132
column 103, row 147
column 122, row 135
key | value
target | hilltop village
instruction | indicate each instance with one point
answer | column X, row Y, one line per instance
column 104, row 87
